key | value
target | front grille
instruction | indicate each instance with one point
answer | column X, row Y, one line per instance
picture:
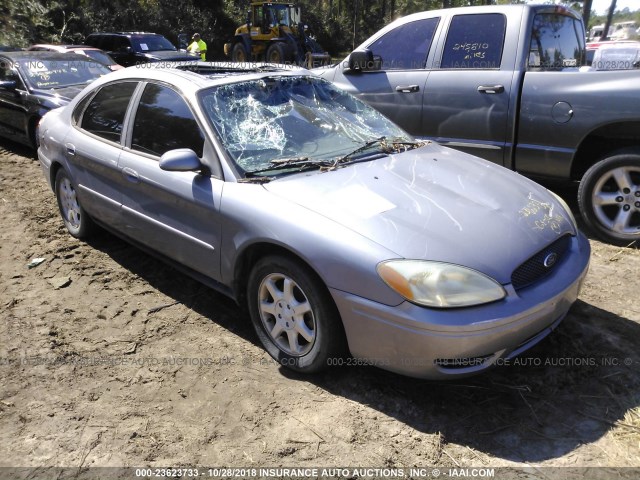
column 541, row 264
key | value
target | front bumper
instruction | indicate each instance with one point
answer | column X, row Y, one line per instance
column 449, row 343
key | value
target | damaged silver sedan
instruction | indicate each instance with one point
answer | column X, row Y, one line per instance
column 348, row 241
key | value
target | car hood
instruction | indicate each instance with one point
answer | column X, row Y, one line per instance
column 436, row 203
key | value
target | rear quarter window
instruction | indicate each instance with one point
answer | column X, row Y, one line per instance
column 475, row 41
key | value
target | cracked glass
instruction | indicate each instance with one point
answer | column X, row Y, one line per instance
column 277, row 119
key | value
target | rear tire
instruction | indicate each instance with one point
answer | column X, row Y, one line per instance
column 609, row 198
column 75, row 219
column 294, row 315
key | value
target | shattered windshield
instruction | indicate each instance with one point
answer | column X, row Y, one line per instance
column 290, row 119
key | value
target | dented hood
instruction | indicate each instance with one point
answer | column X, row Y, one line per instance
column 435, row 203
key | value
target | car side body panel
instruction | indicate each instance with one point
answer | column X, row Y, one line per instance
column 339, row 221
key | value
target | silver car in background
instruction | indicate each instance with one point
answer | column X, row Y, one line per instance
column 340, row 232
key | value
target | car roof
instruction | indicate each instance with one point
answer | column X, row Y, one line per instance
column 62, row 47
column 608, row 43
column 186, row 75
column 621, row 45
column 537, row 8
column 126, row 34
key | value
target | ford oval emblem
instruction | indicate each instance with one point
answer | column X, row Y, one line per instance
column 550, row 260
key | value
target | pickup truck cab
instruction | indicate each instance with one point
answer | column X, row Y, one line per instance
column 504, row 83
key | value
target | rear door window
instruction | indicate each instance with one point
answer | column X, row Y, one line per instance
column 475, row 41
column 407, row 46
column 104, row 115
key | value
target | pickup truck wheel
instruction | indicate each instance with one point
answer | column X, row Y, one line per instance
column 609, row 198
column 294, row 315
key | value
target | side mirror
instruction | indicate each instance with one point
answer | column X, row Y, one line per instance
column 8, row 84
column 180, row 160
column 364, row 61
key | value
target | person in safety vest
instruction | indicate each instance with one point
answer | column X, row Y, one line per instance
column 198, row 46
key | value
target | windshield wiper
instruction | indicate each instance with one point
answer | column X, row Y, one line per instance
column 302, row 163
column 386, row 146
column 395, row 146
column 290, row 161
column 298, row 163
column 361, row 148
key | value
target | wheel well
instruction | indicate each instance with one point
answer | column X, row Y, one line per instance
column 55, row 166
column 244, row 39
column 33, row 124
column 250, row 257
column 603, row 142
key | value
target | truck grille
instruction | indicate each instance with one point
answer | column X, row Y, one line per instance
column 541, row 264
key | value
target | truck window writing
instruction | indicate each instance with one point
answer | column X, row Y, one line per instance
column 475, row 41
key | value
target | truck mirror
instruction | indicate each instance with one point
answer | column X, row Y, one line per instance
column 364, row 60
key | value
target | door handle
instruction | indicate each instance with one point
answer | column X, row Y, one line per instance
column 491, row 88
column 407, row 88
column 71, row 149
column 130, row 175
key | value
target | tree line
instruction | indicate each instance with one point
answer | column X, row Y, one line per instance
column 339, row 25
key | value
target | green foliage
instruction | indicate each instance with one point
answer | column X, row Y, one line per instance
column 25, row 21
column 339, row 25
column 624, row 15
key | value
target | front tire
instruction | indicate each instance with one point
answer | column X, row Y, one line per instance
column 609, row 198
column 294, row 315
column 239, row 53
column 75, row 219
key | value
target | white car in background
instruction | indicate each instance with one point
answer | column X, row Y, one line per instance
column 617, row 56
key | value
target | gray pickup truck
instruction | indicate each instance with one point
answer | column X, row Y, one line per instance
column 505, row 83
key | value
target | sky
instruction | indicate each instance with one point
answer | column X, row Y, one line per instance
column 601, row 6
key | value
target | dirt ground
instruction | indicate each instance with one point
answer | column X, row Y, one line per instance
column 110, row 358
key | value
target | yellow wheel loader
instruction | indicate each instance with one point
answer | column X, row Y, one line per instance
column 274, row 33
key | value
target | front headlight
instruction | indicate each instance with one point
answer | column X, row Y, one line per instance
column 440, row 285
